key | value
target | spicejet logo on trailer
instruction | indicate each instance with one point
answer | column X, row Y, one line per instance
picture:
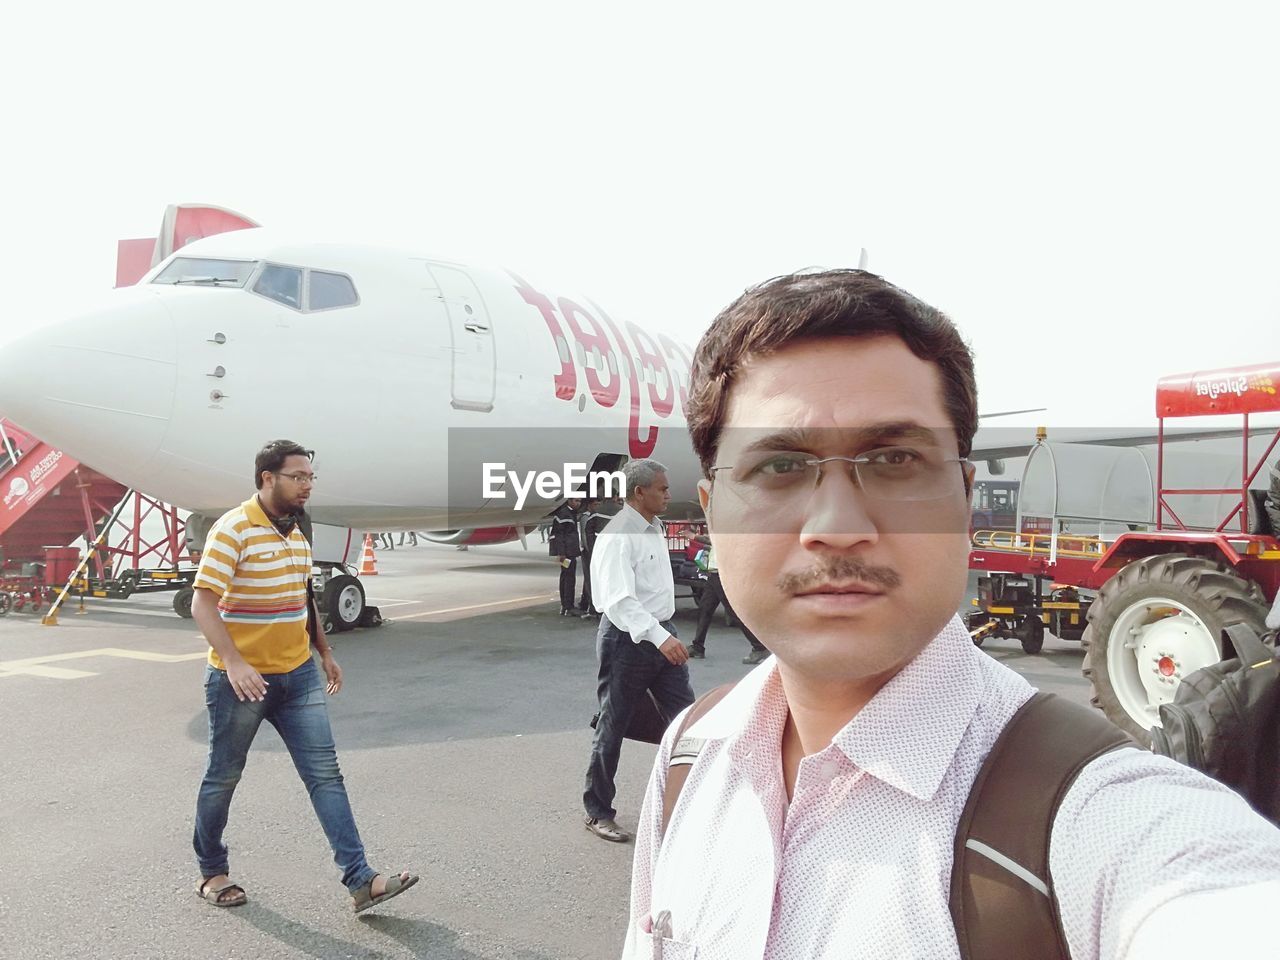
column 1239, row 386
column 1246, row 389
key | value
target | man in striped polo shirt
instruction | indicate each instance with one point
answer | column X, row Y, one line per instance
column 252, row 605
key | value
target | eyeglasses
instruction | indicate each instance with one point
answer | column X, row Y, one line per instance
column 779, row 480
column 304, row 478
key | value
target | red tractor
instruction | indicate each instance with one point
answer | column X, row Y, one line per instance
column 1170, row 571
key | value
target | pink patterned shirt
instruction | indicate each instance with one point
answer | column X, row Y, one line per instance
column 858, row 864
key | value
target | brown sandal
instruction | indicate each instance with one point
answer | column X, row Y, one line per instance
column 213, row 895
column 396, row 885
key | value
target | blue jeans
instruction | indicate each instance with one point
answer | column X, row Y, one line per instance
column 295, row 706
column 627, row 670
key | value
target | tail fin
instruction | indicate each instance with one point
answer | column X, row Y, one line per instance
column 182, row 224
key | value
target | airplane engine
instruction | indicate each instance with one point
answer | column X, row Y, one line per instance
column 478, row 536
column 197, row 531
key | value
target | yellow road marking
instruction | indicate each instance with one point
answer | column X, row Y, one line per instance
column 53, row 673
column 38, row 666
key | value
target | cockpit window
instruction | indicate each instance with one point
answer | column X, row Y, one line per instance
column 200, row 271
column 282, row 284
column 329, row 290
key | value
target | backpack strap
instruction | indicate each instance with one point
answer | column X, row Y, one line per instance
column 686, row 749
column 1002, row 900
column 1248, row 646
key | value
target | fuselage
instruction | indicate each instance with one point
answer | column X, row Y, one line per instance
column 404, row 372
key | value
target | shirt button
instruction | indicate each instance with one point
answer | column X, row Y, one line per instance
column 829, row 769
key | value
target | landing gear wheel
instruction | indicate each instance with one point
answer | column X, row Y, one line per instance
column 342, row 603
column 1156, row 621
column 182, row 602
column 1030, row 634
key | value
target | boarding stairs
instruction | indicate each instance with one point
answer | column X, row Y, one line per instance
column 47, row 499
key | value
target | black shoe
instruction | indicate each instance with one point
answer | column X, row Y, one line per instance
column 564, row 611
column 697, row 653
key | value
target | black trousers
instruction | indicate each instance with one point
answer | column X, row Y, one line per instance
column 567, row 576
column 627, row 670
column 585, row 604
column 711, row 598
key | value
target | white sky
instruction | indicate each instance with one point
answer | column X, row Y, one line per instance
column 1091, row 194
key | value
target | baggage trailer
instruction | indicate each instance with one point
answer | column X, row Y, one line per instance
column 1155, row 598
column 1023, row 595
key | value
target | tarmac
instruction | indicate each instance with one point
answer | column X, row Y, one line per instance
column 463, row 739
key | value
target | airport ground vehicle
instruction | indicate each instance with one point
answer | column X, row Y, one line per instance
column 1161, row 552
column 685, row 538
column 995, row 505
column 52, row 502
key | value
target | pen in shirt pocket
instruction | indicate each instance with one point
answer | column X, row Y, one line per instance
column 661, row 931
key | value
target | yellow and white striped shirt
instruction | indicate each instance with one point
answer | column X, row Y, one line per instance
column 260, row 577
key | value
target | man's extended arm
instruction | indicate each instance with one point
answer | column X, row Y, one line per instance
column 315, row 626
column 218, row 563
column 246, row 682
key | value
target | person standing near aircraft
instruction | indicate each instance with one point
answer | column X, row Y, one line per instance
column 253, row 606
column 711, row 597
column 833, row 415
column 566, row 548
column 636, row 643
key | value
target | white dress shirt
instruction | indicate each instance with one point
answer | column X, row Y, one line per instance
column 858, row 863
column 631, row 580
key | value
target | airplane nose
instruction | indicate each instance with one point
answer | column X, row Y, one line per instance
column 99, row 385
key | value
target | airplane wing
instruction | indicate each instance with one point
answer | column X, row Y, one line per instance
column 1006, row 443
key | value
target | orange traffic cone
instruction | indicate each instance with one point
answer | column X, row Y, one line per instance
column 368, row 562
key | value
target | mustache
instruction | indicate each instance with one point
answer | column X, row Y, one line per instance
column 837, row 570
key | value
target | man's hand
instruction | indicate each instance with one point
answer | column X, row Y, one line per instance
column 333, row 672
column 246, row 682
column 675, row 651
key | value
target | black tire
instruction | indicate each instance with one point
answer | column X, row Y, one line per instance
column 1210, row 589
column 1030, row 634
column 6, row 602
column 342, row 603
column 182, row 602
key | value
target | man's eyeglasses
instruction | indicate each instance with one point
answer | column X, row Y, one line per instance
column 304, row 478
column 778, row 480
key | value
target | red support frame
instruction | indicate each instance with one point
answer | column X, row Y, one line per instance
column 126, row 548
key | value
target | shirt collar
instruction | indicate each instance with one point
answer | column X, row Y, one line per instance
column 636, row 518
column 256, row 515
column 909, row 732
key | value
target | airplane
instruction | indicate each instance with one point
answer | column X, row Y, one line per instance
column 405, row 371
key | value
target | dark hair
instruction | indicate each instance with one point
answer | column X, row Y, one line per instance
column 273, row 455
column 832, row 303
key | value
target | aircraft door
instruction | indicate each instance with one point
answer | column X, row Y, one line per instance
column 474, row 360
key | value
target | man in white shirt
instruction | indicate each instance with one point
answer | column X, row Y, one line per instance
column 832, row 414
column 636, row 644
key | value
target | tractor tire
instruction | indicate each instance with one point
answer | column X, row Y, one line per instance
column 182, row 602
column 1157, row 620
column 1030, row 634
column 342, row 603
